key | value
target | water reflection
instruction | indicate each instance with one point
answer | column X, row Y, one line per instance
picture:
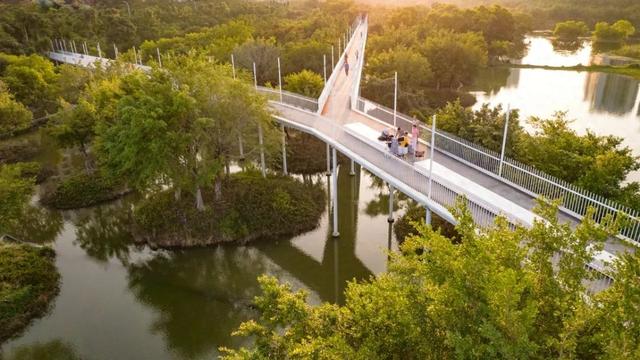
column 610, row 93
column 52, row 350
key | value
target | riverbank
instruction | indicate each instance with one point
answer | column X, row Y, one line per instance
column 249, row 208
column 632, row 70
column 28, row 283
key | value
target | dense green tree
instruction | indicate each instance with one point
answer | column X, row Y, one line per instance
column 306, row 55
column 15, row 192
column 454, row 58
column 13, row 115
column 414, row 70
column 500, row 293
column 616, row 33
column 179, row 126
column 305, row 82
column 31, row 79
column 264, row 54
column 570, row 30
column 75, row 126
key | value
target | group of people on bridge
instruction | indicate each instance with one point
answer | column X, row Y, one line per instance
column 400, row 143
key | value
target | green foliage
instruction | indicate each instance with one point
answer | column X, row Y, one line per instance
column 31, row 79
column 616, row 33
column 404, row 226
column 15, row 192
column 305, row 82
column 80, row 191
column 632, row 51
column 75, row 126
column 13, row 115
column 455, row 58
column 306, row 55
column 28, row 283
column 599, row 164
column 496, row 294
column 178, row 125
column 414, row 70
column 250, row 208
column 264, row 54
column 570, row 30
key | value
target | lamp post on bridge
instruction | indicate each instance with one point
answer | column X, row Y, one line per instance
column 324, row 66
column 115, row 51
column 280, row 83
column 99, row 51
column 504, row 139
column 332, row 61
column 128, row 8
column 395, row 99
column 159, row 58
column 432, row 146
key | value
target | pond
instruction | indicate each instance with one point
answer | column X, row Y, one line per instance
column 124, row 301
column 608, row 104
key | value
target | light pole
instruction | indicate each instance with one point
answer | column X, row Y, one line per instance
column 433, row 146
column 395, row 98
column 128, row 8
column 504, row 139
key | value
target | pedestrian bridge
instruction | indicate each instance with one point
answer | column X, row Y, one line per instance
column 492, row 184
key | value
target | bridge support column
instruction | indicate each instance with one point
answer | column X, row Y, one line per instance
column 262, row 163
column 241, row 147
column 427, row 219
column 334, row 188
column 284, row 151
column 328, row 160
column 352, row 170
column 390, row 218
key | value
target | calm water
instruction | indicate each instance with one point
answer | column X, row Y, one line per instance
column 608, row 104
column 120, row 301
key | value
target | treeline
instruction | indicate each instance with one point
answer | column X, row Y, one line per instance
column 436, row 51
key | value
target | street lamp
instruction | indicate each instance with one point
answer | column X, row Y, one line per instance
column 128, row 8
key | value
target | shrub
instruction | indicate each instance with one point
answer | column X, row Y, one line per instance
column 82, row 191
column 28, row 283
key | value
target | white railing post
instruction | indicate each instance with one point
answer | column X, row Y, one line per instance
column 255, row 76
column 335, row 192
column 504, row 139
column 233, row 66
column 433, row 146
column 279, row 79
column 395, row 99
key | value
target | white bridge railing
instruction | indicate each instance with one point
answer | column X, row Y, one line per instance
column 574, row 200
column 289, row 98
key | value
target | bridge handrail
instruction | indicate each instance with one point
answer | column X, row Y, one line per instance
column 574, row 200
column 290, row 98
column 358, row 69
column 328, row 86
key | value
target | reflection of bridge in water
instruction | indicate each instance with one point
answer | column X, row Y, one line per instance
column 491, row 183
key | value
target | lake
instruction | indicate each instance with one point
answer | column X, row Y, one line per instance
column 607, row 104
column 124, row 301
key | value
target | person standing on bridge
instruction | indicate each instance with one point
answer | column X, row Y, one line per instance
column 346, row 65
column 415, row 134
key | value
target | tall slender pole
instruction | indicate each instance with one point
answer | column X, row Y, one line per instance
column 159, row 58
column 332, row 60
column 284, row 151
column 86, row 48
column 53, row 48
column 115, row 51
column 352, row 170
column 339, row 49
column 335, row 192
column 262, row 163
column 395, row 99
column 135, row 56
column 390, row 218
column 99, row 51
column 280, row 81
column 255, row 76
column 240, row 146
column 73, row 46
column 324, row 66
column 504, row 139
column 328, row 159
column 432, row 146
column 233, row 66
column 64, row 45
column 128, row 8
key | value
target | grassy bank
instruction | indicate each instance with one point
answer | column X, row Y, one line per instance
column 28, row 282
column 250, row 208
column 632, row 70
column 81, row 191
